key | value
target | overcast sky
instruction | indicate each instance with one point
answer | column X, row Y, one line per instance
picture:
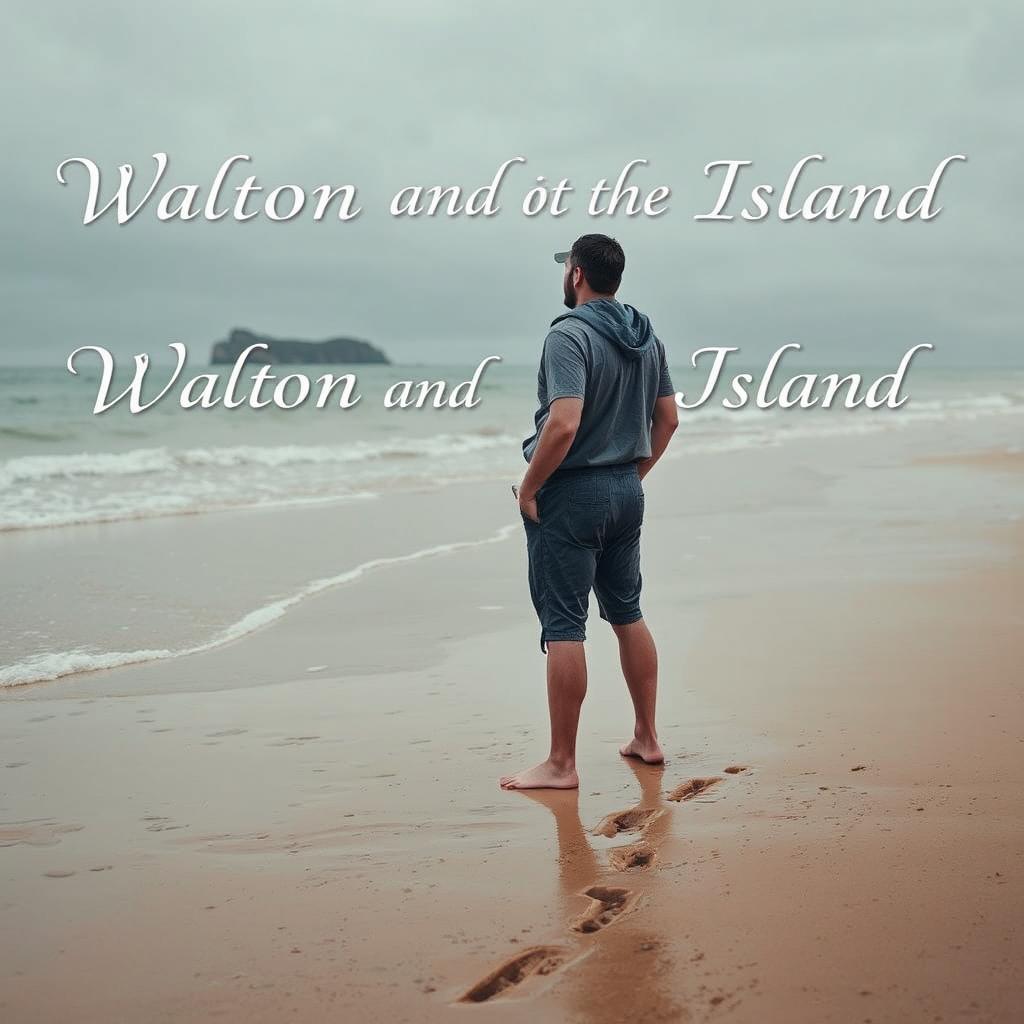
column 384, row 95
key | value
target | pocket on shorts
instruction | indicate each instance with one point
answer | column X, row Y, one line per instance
column 590, row 492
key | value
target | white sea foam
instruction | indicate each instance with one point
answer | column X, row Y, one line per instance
column 103, row 487
column 776, row 428
column 143, row 461
column 111, row 509
column 43, row 667
column 55, row 490
column 56, row 665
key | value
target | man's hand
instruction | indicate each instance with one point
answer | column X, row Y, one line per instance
column 556, row 438
column 663, row 425
column 527, row 505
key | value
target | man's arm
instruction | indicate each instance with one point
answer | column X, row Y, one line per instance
column 663, row 425
column 556, row 438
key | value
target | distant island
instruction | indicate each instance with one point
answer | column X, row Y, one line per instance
column 334, row 350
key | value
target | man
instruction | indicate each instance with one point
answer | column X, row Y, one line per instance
column 607, row 412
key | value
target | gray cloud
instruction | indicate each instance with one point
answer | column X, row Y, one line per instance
column 440, row 93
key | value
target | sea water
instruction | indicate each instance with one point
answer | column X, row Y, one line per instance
column 61, row 465
column 76, row 491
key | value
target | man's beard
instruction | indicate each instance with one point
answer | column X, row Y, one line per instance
column 570, row 295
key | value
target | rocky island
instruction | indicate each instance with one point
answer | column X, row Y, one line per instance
column 336, row 351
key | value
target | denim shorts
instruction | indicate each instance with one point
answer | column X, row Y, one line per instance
column 588, row 538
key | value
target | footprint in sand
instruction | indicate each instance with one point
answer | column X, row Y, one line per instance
column 607, row 904
column 633, row 820
column 691, row 788
column 537, row 960
column 636, row 856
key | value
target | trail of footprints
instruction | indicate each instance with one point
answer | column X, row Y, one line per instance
column 607, row 902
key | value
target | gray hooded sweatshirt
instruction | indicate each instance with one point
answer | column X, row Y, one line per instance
column 606, row 353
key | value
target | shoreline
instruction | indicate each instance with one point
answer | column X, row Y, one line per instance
column 255, row 595
column 51, row 668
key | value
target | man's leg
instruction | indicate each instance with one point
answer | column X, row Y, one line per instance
column 567, row 686
column 639, row 659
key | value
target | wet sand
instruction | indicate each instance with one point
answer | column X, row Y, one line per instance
column 835, row 835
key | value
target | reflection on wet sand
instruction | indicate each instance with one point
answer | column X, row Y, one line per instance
column 610, row 963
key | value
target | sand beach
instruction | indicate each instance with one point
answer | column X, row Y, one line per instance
column 305, row 823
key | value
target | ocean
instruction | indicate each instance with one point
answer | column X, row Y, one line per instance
column 61, row 465
column 85, row 485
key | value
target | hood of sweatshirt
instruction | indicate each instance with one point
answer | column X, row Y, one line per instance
column 621, row 324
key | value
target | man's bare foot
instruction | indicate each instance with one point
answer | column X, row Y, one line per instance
column 544, row 776
column 647, row 750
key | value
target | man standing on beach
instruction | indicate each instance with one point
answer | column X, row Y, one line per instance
column 607, row 413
